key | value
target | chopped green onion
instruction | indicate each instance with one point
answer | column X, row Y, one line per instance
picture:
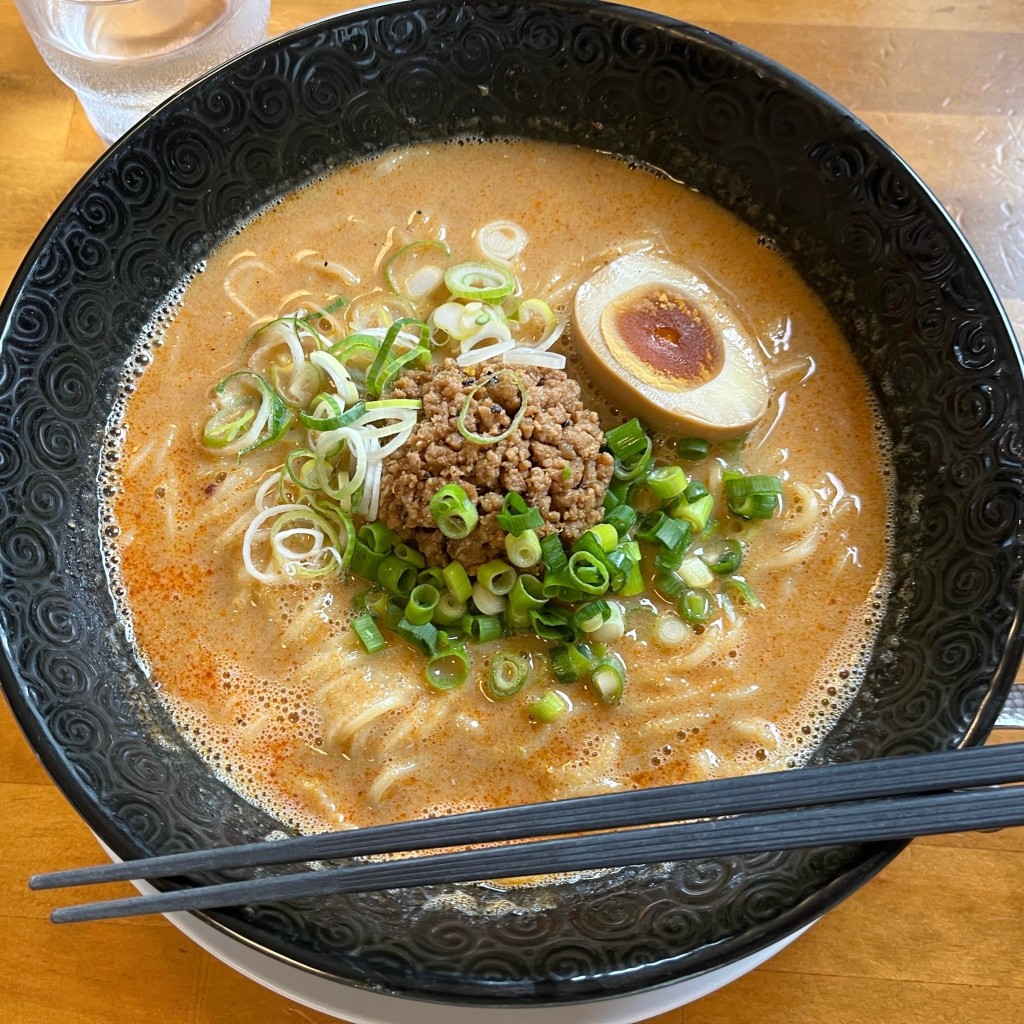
column 329, row 413
column 744, row 589
column 373, row 600
column 394, row 613
column 696, row 606
column 631, row 448
column 476, row 438
column 497, row 576
column 457, row 579
column 634, row 585
column 672, row 533
column 404, row 261
column 752, row 497
column 523, row 551
column 552, row 624
column 397, row 576
column 550, row 707
column 588, row 573
column 449, row 610
column 620, row 564
column 696, row 513
column 692, row 448
column 433, row 576
column 724, row 557
column 591, row 616
column 516, row 516
column 386, row 366
column 695, row 573
column 480, row 280
column 507, row 675
column 369, row 635
column 694, row 490
column 482, row 628
column 555, row 558
column 486, row 601
column 526, row 595
column 648, row 527
column 570, row 662
column 365, row 561
column 422, row 602
column 608, row 679
column 667, row 482
column 456, row 516
column 377, row 537
column 447, row 669
column 627, row 440
column 622, row 517
column 670, row 630
column 612, row 629
column 605, row 534
column 669, row 559
column 670, row 585
column 424, row 636
column 251, row 414
column 410, row 555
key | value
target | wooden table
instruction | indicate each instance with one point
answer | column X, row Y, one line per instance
column 938, row 935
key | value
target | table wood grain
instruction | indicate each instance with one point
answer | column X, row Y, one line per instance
column 938, row 935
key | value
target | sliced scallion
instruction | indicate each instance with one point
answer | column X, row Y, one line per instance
column 695, row 573
column 369, row 635
column 456, row 516
column 696, row 513
column 397, row 576
column 608, row 679
column 523, row 551
column 516, row 516
column 667, row 482
column 692, row 448
column 696, row 606
column 723, row 557
column 507, row 675
column 486, row 601
column 449, row 610
column 421, row 604
column 447, row 668
column 476, row 438
column 550, row 707
column 457, row 579
column 425, row 636
column 670, row 630
column 403, row 267
column 497, row 576
column 622, row 517
column 480, row 280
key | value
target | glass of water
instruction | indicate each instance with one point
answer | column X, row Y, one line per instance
column 122, row 57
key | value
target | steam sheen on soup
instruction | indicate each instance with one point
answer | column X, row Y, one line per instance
column 270, row 682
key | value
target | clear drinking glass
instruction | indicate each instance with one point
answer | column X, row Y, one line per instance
column 122, row 57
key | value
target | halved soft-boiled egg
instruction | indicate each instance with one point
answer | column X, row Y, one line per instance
column 661, row 343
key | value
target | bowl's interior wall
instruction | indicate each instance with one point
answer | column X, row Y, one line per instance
column 895, row 273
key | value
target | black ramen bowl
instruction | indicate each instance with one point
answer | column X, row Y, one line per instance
column 865, row 233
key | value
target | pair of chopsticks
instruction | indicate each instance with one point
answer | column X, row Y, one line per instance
column 864, row 801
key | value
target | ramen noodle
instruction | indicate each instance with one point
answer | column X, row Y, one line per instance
column 266, row 676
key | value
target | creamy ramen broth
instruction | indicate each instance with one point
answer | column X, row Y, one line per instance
column 270, row 683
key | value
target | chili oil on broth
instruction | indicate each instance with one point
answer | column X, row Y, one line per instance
column 270, row 683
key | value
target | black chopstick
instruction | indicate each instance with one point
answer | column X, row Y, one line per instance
column 829, row 784
column 824, row 825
